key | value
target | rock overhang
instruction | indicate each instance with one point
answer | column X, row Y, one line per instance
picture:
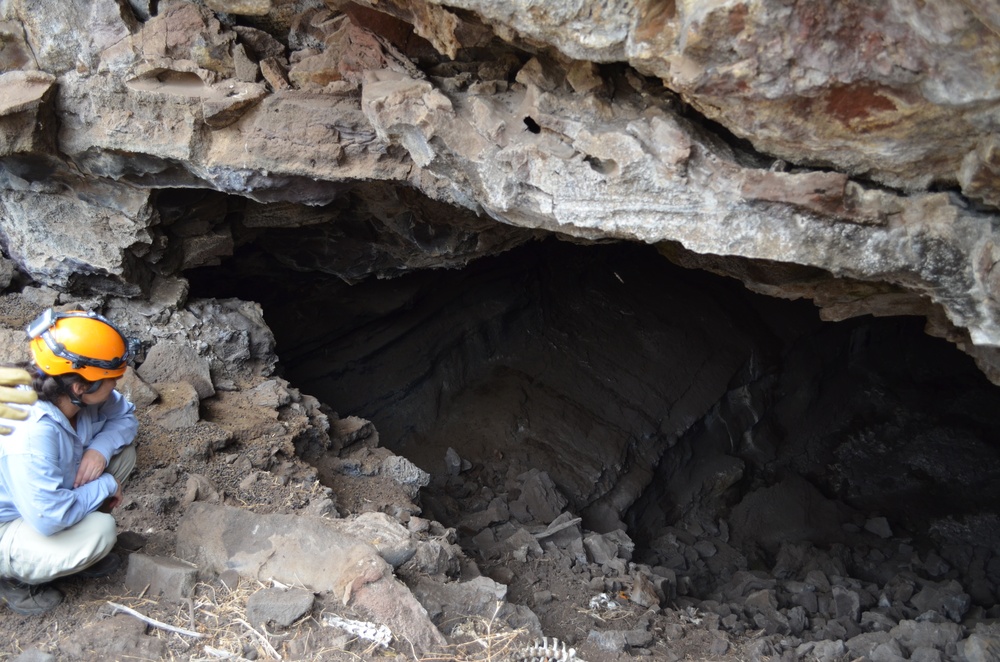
column 523, row 131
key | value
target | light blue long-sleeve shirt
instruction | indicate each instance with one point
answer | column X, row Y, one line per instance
column 40, row 458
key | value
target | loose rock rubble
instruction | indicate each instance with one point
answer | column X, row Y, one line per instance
column 269, row 525
column 883, row 602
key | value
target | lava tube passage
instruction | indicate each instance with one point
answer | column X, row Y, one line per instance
column 599, row 401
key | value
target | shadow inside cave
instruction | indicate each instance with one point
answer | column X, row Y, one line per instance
column 654, row 398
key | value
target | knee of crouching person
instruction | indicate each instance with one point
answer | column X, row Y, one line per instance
column 105, row 530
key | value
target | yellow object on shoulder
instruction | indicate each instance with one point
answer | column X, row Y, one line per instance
column 10, row 379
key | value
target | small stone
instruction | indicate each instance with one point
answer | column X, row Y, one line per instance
column 282, row 607
column 502, row 575
column 408, row 475
column 249, row 481
column 418, row 525
column 200, row 488
column 130, row 541
column 719, row 646
column 178, row 406
column 600, row 549
column 246, row 69
column 879, row 526
column 168, row 362
column 157, row 575
column 389, row 537
column 542, row 597
column 930, row 655
column 230, row 579
column 137, row 391
column 241, row 7
column 823, row 651
column 609, row 640
column 34, row 655
column 643, row 592
column 275, row 74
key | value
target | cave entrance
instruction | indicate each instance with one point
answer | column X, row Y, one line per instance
column 651, row 397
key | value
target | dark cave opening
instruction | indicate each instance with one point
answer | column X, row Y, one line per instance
column 654, row 397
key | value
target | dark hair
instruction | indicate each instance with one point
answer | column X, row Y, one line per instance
column 50, row 387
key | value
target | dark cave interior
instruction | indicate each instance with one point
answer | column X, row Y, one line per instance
column 649, row 393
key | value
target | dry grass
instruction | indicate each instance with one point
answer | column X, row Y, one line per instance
column 482, row 640
column 218, row 614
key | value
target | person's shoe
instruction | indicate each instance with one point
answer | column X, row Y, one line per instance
column 106, row 566
column 29, row 599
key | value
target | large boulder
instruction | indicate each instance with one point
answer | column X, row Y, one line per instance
column 305, row 551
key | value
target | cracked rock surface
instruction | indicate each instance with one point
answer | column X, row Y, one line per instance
column 844, row 153
column 854, row 141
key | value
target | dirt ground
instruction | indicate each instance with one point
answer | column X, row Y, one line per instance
column 238, row 455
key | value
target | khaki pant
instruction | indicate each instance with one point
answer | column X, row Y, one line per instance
column 27, row 555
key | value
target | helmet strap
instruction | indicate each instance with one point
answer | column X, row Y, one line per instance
column 68, row 390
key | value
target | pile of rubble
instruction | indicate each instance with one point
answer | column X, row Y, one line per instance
column 261, row 486
column 883, row 601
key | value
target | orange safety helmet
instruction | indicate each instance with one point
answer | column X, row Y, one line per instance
column 80, row 342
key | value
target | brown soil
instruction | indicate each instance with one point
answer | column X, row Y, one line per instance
column 249, row 461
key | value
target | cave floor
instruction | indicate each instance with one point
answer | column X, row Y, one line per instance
column 85, row 627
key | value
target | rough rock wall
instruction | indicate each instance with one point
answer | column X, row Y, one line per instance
column 900, row 92
column 866, row 180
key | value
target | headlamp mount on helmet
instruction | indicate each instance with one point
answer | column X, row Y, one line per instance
column 42, row 326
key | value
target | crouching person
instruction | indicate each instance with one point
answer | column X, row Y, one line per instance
column 62, row 467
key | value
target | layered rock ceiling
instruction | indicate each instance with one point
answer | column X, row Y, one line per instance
column 843, row 151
